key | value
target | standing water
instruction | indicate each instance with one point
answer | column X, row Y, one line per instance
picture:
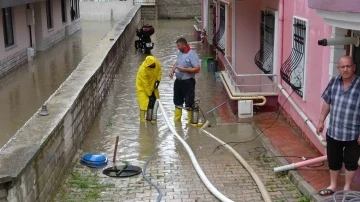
column 23, row 91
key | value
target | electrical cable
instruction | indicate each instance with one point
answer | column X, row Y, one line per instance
column 149, row 181
column 261, row 132
column 264, row 151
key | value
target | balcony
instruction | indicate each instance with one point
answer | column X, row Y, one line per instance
column 338, row 13
column 347, row 6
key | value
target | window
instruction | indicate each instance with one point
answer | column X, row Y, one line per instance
column 264, row 58
column 219, row 38
column 63, row 11
column 8, row 27
column 74, row 9
column 49, row 14
column 293, row 69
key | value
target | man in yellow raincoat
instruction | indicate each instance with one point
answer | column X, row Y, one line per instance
column 147, row 79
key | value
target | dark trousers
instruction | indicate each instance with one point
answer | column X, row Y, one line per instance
column 342, row 151
column 184, row 91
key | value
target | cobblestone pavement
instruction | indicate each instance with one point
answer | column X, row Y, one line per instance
column 178, row 180
column 171, row 168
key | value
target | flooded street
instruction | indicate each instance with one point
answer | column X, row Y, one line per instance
column 171, row 168
column 23, row 91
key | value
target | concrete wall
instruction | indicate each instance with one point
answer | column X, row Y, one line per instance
column 33, row 163
column 105, row 10
column 149, row 12
column 178, row 9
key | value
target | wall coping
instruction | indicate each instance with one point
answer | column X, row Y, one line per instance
column 26, row 144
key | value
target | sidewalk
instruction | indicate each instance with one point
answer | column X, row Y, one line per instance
column 282, row 139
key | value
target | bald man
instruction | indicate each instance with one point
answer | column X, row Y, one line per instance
column 342, row 102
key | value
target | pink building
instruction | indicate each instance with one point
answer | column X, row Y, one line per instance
column 27, row 26
column 268, row 50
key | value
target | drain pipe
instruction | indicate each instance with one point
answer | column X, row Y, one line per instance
column 263, row 98
column 302, row 114
column 253, row 174
column 194, row 161
column 313, row 130
column 294, row 166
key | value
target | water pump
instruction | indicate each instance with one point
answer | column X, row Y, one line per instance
column 151, row 113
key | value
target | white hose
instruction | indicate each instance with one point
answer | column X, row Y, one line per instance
column 195, row 163
column 256, row 178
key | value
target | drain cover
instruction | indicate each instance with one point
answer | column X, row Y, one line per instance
column 94, row 160
column 122, row 171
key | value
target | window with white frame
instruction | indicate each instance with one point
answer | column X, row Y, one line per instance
column 293, row 70
column 8, row 27
column 63, row 11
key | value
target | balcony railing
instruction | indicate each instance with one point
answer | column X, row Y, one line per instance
column 250, row 84
column 145, row 2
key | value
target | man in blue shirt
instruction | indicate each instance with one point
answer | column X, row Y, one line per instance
column 342, row 101
column 186, row 66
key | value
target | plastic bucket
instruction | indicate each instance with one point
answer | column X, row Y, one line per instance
column 212, row 65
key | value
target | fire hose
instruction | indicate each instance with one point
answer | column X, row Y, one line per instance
column 194, row 161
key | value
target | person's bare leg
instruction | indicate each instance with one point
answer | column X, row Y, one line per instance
column 349, row 177
column 333, row 179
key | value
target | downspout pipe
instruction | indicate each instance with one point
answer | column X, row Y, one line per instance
column 339, row 41
column 263, row 98
column 194, row 161
column 281, row 28
column 300, row 164
column 302, row 114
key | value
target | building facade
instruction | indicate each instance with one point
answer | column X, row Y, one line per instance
column 28, row 26
column 269, row 49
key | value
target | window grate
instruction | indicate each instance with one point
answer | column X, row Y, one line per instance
column 292, row 71
column 265, row 56
column 219, row 37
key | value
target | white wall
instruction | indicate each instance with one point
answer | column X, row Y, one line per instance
column 101, row 11
column 21, row 32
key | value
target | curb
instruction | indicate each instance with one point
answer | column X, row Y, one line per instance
column 303, row 186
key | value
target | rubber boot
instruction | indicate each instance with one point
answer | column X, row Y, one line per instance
column 142, row 115
column 178, row 113
column 189, row 116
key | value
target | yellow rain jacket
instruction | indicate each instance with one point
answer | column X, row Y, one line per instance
column 145, row 81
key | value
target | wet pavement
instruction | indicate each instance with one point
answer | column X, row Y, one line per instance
column 171, row 168
column 24, row 90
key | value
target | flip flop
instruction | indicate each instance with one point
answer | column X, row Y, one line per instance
column 326, row 192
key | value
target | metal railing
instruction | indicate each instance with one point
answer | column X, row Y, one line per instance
column 262, row 84
column 145, row 2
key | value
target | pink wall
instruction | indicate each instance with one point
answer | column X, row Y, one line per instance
column 21, row 32
column 318, row 59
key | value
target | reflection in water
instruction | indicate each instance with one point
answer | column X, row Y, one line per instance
column 23, row 91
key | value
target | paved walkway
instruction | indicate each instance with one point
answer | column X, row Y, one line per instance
column 171, row 169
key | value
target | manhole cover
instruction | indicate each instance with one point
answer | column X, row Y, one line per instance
column 122, row 171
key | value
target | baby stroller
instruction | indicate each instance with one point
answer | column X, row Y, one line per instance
column 144, row 43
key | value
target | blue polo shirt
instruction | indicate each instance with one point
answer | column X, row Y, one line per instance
column 187, row 60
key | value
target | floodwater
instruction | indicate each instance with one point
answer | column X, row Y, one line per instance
column 23, row 91
column 119, row 115
column 170, row 168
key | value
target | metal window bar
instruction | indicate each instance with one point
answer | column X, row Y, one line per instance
column 292, row 71
column 219, row 37
column 265, row 56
